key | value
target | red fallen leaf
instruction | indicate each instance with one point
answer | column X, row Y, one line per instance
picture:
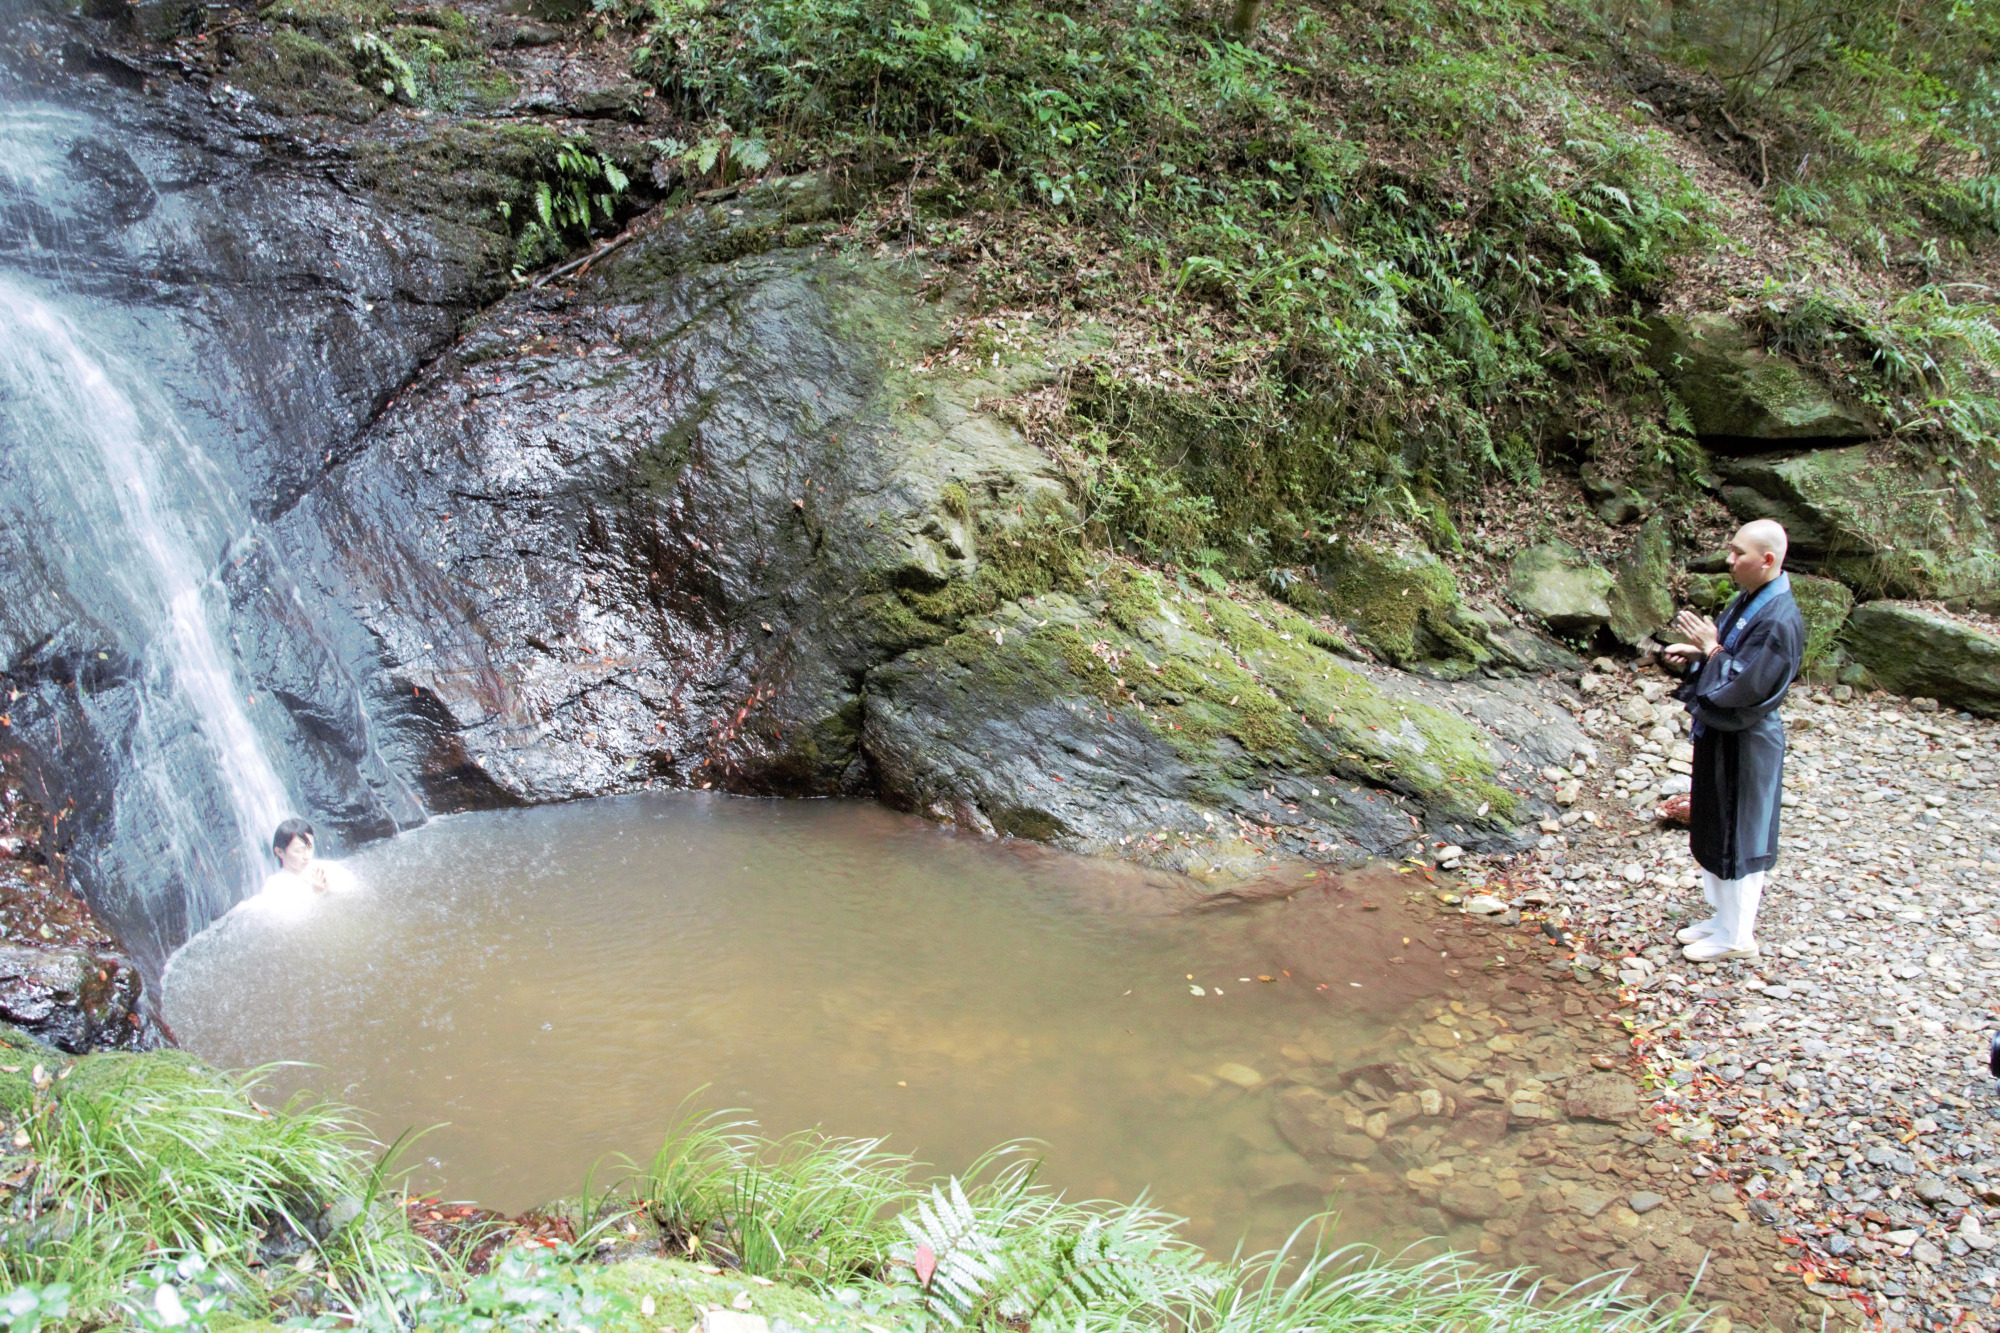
column 926, row 1264
column 1675, row 810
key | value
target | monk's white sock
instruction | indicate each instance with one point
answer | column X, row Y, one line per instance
column 1736, row 902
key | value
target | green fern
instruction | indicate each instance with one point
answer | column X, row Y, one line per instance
column 953, row 1257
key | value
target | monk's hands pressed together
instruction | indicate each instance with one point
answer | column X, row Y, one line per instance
column 1700, row 631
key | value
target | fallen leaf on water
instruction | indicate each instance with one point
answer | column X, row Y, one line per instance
column 1196, row 990
column 1262, row 977
column 1370, row 907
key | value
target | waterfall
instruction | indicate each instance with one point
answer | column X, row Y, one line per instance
column 138, row 520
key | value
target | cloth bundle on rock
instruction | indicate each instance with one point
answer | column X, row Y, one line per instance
column 1739, row 760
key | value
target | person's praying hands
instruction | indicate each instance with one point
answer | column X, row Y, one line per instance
column 1700, row 631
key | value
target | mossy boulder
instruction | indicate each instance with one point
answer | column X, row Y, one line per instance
column 1875, row 519
column 681, row 1294
column 1640, row 599
column 1559, row 586
column 20, row 1052
column 1824, row 605
column 1736, row 392
column 1912, row 650
column 1402, row 603
column 1188, row 729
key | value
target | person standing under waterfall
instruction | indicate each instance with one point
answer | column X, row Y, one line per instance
column 297, row 871
column 1738, row 672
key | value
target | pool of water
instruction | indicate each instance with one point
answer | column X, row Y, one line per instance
column 542, row 989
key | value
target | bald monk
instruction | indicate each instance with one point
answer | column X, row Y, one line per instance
column 1738, row 672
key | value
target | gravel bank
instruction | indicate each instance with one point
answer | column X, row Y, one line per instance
column 1835, row 1089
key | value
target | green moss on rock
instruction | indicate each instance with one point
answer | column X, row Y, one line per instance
column 1824, row 605
column 302, row 73
column 1557, row 585
column 1404, row 604
column 1913, row 650
column 1735, row 390
column 1640, row 599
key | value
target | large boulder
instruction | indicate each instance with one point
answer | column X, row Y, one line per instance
column 739, row 544
column 1915, row 651
column 1562, row 588
column 1824, row 605
column 71, row 998
column 1739, row 394
column 1874, row 519
column 1403, row 603
column 1640, row 599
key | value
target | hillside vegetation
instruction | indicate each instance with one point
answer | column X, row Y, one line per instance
column 1364, row 259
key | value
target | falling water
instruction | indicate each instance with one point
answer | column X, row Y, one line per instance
column 140, row 516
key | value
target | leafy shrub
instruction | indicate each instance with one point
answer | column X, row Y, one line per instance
column 579, row 190
column 135, row 1158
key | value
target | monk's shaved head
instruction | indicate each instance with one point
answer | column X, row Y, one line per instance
column 1764, row 535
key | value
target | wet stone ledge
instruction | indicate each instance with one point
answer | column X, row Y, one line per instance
column 61, row 976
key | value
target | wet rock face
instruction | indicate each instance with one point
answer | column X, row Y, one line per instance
column 268, row 313
column 75, row 999
column 649, row 534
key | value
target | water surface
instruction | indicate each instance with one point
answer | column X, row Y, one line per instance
column 546, row 986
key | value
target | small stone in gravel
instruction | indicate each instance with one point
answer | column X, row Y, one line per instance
column 1589, row 1202
column 1453, row 1068
column 1485, row 904
column 1602, row 1097
column 1477, row 1203
column 1645, row 1201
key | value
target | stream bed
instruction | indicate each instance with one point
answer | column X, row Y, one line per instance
column 541, row 990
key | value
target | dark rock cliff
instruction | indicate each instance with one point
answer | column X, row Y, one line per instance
column 705, row 518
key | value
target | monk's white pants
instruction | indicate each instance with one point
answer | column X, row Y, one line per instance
column 1735, row 903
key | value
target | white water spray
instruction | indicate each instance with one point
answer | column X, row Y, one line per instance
column 155, row 514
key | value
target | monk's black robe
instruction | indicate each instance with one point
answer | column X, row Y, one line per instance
column 1739, row 739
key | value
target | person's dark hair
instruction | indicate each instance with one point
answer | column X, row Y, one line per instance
column 291, row 828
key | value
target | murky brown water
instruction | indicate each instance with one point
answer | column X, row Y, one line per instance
column 547, row 986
